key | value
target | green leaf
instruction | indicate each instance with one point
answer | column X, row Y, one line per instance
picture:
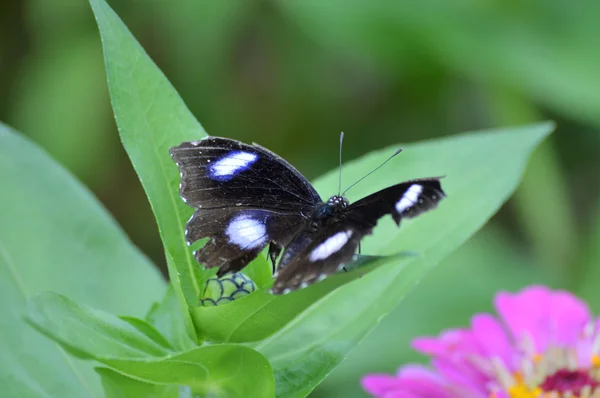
column 54, row 235
column 167, row 319
column 260, row 271
column 92, row 332
column 151, row 118
column 118, row 386
column 148, row 330
column 224, row 370
column 482, row 169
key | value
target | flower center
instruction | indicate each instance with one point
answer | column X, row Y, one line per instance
column 573, row 381
column 555, row 374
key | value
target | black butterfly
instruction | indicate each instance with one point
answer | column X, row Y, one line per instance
column 246, row 197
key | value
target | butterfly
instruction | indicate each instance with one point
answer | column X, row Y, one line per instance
column 247, row 198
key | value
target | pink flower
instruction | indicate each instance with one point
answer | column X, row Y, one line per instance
column 543, row 344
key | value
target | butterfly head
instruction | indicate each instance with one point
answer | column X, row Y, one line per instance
column 337, row 203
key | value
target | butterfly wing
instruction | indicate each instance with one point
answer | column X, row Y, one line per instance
column 404, row 200
column 220, row 172
column 245, row 198
column 315, row 253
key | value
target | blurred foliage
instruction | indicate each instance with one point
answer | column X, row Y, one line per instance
column 291, row 75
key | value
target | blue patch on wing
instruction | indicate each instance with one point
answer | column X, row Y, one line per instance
column 231, row 164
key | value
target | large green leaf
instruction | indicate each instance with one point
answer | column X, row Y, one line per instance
column 151, row 118
column 85, row 330
column 224, row 370
column 482, row 170
column 54, row 235
column 167, row 319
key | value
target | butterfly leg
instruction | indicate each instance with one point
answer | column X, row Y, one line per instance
column 274, row 252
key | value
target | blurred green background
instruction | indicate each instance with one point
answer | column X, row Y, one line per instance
column 291, row 75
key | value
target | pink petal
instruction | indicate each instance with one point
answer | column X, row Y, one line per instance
column 442, row 345
column 587, row 347
column 546, row 317
column 379, row 384
column 493, row 340
column 522, row 312
column 423, row 382
column 569, row 315
column 454, row 343
column 463, row 377
column 400, row 394
column 412, row 381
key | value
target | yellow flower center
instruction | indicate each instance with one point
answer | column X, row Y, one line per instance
column 520, row 390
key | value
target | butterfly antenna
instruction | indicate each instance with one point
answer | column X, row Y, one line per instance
column 373, row 171
column 340, row 182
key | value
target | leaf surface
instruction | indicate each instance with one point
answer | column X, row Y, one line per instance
column 54, row 235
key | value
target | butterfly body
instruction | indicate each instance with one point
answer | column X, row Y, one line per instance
column 247, row 198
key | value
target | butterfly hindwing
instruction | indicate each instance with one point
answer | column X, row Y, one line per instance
column 314, row 254
column 238, row 235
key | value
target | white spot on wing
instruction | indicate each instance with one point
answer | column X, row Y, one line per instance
column 409, row 198
column 331, row 245
column 246, row 232
column 231, row 164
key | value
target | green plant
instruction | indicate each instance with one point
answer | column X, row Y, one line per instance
column 55, row 237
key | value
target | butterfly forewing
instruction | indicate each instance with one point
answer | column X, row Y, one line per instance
column 404, row 200
column 219, row 172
